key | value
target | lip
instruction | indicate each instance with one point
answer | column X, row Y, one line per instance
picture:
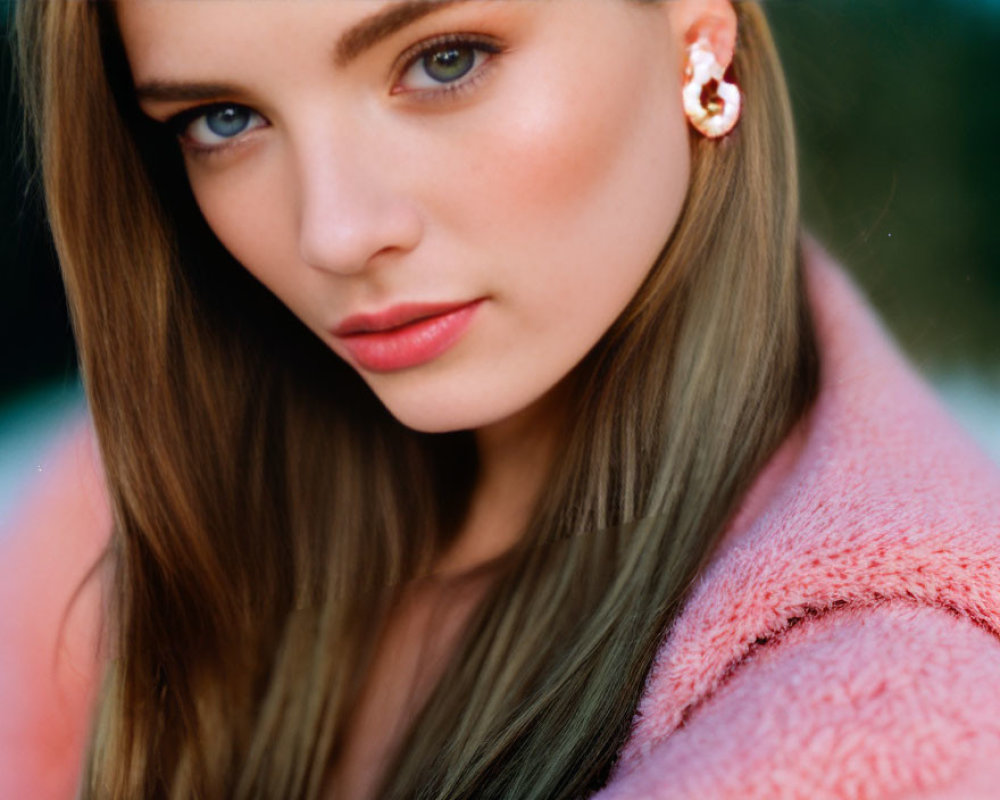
column 406, row 335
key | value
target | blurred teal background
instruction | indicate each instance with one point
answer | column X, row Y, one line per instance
column 897, row 114
column 900, row 166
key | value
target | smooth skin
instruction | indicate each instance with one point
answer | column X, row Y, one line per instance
column 536, row 158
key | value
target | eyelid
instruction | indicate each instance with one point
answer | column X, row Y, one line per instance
column 179, row 123
column 406, row 60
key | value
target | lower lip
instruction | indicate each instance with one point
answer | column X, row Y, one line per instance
column 409, row 345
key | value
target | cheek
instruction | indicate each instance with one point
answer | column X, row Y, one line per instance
column 248, row 208
column 567, row 151
column 583, row 181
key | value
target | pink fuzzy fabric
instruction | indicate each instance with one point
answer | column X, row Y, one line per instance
column 48, row 663
column 843, row 641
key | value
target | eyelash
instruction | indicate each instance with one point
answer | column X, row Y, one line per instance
column 182, row 122
column 179, row 124
column 476, row 43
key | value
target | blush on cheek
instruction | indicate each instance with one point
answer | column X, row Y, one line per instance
column 558, row 149
column 588, row 143
column 592, row 171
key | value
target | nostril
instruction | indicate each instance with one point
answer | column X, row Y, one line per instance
column 349, row 241
column 352, row 211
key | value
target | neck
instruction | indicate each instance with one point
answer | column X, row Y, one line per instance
column 515, row 456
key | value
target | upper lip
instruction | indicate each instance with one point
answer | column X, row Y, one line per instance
column 395, row 317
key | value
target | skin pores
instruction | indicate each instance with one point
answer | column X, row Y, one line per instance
column 542, row 181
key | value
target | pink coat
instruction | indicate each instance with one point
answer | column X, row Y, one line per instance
column 842, row 643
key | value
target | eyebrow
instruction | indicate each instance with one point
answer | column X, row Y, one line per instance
column 361, row 36
column 177, row 91
column 372, row 30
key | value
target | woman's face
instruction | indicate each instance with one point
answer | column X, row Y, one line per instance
column 459, row 198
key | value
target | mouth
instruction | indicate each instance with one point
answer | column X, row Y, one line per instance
column 406, row 335
column 395, row 317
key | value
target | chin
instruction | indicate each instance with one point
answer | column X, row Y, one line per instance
column 437, row 414
column 439, row 418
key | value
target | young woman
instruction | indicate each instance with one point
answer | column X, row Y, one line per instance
column 475, row 426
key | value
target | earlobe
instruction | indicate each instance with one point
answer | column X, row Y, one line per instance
column 713, row 21
column 718, row 33
column 712, row 100
column 711, row 96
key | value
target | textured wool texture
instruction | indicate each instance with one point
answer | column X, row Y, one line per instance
column 842, row 643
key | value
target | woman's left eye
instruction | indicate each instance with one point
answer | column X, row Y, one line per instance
column 445, row 64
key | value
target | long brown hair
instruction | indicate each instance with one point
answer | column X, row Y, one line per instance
column 268, row 510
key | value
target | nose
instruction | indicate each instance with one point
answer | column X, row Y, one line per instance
column 352, row 209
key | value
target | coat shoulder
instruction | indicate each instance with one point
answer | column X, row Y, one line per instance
column 877, row 498
column 892, row 699
column 50, row 611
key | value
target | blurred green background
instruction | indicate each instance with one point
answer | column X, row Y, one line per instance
column 897, row 114
column 900, row 166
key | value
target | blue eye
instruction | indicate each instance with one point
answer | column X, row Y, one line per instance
column 216, row 125
column 228, row 121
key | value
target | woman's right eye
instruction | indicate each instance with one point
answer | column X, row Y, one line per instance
column 216, row 126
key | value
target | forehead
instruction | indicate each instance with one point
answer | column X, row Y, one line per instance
column 159, row 34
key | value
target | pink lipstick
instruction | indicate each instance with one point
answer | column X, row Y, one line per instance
column 406, row 335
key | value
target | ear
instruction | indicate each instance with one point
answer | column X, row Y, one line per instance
column 712, row 20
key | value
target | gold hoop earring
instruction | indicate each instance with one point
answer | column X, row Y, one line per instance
column 712, row 99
